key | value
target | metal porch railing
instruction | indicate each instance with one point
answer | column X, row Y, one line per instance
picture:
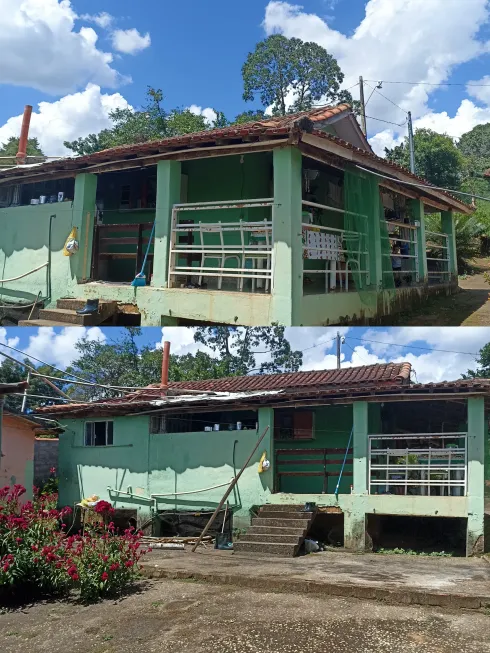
column 437, row 245
column 407, row 241
column 240, row 250
column 345, row 252
column 429, row 461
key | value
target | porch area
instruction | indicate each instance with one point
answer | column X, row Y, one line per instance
column 394, row 475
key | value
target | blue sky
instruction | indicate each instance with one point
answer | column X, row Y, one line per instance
column 85, row 65
column 435, row 354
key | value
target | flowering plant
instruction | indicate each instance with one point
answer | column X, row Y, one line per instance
column 37, row 557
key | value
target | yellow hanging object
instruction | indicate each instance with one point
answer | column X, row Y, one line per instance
column 71, row 244
column 264, row 464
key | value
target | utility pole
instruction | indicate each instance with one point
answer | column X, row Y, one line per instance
column 411, row 143
column 339, row 342
column 24, row 397
column 363, row 106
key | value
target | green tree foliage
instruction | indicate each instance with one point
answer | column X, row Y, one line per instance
column 150, row 123
column 468, row 230
column 249, row 116
column 11, row 372
column 123, row 363
column 483, row 361
column 240, row 348
column 437, row 158
column 11, row 147
column 280, row 68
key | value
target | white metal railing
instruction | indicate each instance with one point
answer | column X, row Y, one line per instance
column 408, row 256
column 442, row 273
column 436, row 460
column 344, row 252
column 239, row 242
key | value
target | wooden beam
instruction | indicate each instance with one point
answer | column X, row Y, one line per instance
column 430, row 195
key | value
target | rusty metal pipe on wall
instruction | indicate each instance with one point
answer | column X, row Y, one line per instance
column 24, row 135
column 165, row 364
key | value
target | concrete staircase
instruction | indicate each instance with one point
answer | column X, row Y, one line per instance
column 65, row 314
column 277, row 530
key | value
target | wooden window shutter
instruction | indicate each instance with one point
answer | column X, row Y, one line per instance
column 303, row 425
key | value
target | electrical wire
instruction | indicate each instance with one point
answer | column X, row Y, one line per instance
column 384, row 81
column 388, row 122
column 426, row 186
column 394, row 344
column 387, row 98
column 356, row 353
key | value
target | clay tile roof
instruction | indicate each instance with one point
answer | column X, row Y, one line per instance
column 372, row 374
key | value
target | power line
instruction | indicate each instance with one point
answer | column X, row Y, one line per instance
column 388, row 122
column 384, row 81
column 388, row 99
column 426, row 186
column 356, row 353
column 394, row 344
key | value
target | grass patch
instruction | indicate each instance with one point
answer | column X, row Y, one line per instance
column 411, row 552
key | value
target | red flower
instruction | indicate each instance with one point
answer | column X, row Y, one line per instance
column 34, row 547
column 104, row 507
column 52, row 470
column 18, row 540
column 129, row 563
column 6, row 567
column 105, row 576
column 114, row 566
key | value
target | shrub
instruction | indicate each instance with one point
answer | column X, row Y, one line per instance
column 37, row 558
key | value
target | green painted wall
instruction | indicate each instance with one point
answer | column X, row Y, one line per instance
column 332, row 428
column 24, row 246
column 160, row 464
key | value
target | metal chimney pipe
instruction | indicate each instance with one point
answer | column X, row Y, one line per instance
column 165, row 364
column 24, row 135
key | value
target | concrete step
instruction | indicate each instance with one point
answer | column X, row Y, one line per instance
column 64, row 317
column 268, row 538
column 291, row 523
column 284, row 550
column 276, row 530
column 282, row 514
column 78, row 304
column 40, row 323
column 282, row 508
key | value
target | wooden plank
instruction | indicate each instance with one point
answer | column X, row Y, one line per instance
column 313, row 451
column 320, row 461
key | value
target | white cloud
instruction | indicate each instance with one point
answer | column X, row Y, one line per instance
column 103, row 19
column 208, row 113
column 58, row 349
column 5, row 340
column 130, row 41
column 78, row 114
column 41, row 48
column 401, row 40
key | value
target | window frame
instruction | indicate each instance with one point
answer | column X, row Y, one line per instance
column 109, row 433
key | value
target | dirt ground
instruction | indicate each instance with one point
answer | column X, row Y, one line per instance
column 190, row 617
column 469, row 307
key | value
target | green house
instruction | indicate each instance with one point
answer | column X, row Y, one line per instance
column 294, row 217
column 365, row 445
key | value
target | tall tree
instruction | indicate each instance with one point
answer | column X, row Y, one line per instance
column 152, row 122
column 238, row 349
column 291, row 75
column 437, row 158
